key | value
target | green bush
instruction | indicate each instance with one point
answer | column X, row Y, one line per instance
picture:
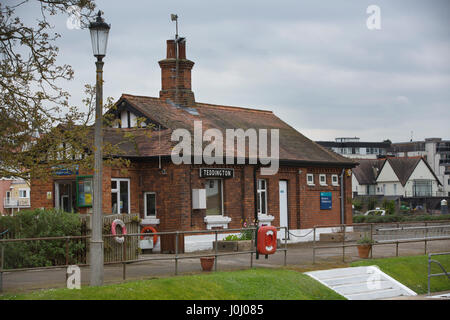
column 397, row 218
column 389, row 206
column 357, row 204
column 42, row 253
column 231, row 237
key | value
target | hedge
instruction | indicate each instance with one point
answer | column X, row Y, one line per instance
column 42, row 253
column 398, row 218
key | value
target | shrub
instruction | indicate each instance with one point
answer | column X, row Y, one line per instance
column 41, row 253
column 389, row 206
column 357, row 204
column 231, row 237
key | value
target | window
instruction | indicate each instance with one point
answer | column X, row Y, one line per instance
column 395, row 189
column 214, row 197
column 23, row 193
column 310, row 179
column 334, row 180
column 262, row 196
column 85, row 188
column 120, row 195
column 150, row 204
column 323, row 179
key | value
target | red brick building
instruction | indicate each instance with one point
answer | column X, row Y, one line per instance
column 306, row 191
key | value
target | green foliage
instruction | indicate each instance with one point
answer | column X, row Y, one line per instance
column 357, row 204
column 365, row 240
column 231, row 237
column 389, row 206
column 42, row 253
column 397, row 218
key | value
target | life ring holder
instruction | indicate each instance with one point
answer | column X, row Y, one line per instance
column 152, row 230
column 115, row 223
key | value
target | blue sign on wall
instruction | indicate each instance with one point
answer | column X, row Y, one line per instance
column 325, row 200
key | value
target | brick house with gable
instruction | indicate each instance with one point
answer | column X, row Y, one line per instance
column 306, row 191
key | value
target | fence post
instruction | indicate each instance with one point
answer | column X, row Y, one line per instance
column 1, row 267
column 371, row 240
column 426, row 235
column 314, row 244
column 67, row 251
column 176, row 253
column 124, row 257
column 285, row 245
column 343, row 243
column 215, row 252
column 429, row 272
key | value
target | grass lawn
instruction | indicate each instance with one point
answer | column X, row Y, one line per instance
column 412, row 271
column 253, row 284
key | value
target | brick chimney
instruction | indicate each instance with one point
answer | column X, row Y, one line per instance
column 176, row 85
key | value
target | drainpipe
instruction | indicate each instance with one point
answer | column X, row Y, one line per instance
column 255, row 191
column 342, row 197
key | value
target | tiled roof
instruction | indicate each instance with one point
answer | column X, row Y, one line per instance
column 293, row 145
column 367, row 170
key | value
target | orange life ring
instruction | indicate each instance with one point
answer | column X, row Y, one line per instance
column 267, row 240
column 152, row 230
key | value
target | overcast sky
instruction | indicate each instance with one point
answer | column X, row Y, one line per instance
column 315, row 64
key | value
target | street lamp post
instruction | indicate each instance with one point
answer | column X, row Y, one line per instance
column 99, row 37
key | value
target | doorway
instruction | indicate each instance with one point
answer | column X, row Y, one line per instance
column 65, row 195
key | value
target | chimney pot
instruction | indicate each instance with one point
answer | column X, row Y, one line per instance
column 171, row 49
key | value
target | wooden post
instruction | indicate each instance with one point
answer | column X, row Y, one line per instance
column 426, row 235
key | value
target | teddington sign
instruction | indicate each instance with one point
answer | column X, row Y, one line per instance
column 213, row 153
column 216, row 173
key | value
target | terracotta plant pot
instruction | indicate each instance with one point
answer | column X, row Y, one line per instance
column 364, row 250
column 207, row 263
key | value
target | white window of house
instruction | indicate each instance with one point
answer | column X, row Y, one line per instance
column 120, row 195
column 23, row 193
column 214, row 197
column 395, row 189
column 323, row 179
column 150, row 204
column 310, row 179
column 262, row 196
column 334, row 180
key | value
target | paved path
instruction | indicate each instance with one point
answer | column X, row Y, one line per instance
column 299, row 257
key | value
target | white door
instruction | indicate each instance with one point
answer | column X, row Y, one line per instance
column 283, row 205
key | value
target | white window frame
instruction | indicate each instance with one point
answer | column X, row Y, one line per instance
column 310, row 175
column 117, row 190
column 221, row 197
column 333, row 182
column 320, row 179
column 259, row 192
column 26, row 194
column 147, row 216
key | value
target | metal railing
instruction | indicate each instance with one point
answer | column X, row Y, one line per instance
column 16, row 202
column 370, row 233
column 430, row 275
column 176, row 257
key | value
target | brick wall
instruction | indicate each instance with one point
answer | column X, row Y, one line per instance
column 174, row 203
